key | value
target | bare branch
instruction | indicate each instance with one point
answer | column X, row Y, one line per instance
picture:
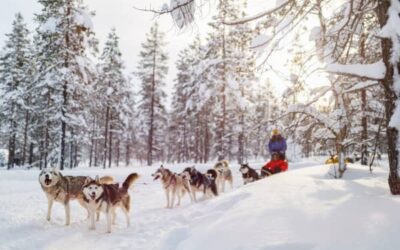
column 166, row 11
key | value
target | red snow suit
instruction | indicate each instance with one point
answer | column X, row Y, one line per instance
column 276, row 166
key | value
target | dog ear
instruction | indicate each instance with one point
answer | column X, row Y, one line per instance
column 56, row 170
column 87, row 180
column 97, row 179
column 162, row 167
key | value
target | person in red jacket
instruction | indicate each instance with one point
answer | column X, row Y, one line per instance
column 275, row 165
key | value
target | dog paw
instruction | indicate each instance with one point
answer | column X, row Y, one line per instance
column 92, row 228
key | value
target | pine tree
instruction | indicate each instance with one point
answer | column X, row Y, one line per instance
column 15, row 76
column 152, row 71
column 229, row 66
column 65, row 39
column 180, row 128
column 111, row 87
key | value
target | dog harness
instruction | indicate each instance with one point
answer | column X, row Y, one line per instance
column 173, row 180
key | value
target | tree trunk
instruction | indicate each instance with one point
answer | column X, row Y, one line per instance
column 25, row 137
column 96, row 153
column 240, row 156
column 11, row 148
column 76, row 155
column 185, row 143
column 92, row 142
column 390, row 103
column 45, row 147
column 221, row 130
column 206, row 138
column 12, row 139
column 364, row 121
column 106, row 136
column 31, row 155
column 41, row 150
column 71, row 156
column 241, row 133
column 65, row 100
column 197, row 144
column 127, row 153
column 364, row 133
column 63, row 126
column 118, row 152
column 151, row 128
column 110, row 147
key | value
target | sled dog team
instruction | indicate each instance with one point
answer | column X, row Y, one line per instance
column 192, row 181
column 104, row 195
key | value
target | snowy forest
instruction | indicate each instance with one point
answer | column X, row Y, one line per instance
column 63, row 102
column 282, row 116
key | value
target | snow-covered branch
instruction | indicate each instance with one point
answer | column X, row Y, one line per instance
column 361, row 85
column 330, row 124
column 280, row 5
column 374, row 71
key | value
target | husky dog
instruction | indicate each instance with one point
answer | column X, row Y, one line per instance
column 106, row 198
column 248, row 174
column 205, row 183
column 174, row 185
column 224, row 174
column 63, row 189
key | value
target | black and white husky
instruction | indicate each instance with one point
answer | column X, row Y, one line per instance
column 248, row 173
column 205, row 183
column 106, row 198
column 174, row 186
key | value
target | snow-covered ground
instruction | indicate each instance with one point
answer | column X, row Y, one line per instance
column 303, row 208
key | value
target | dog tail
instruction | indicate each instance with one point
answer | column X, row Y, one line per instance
column 225, row 163
column 129, row 181
column 107, row 180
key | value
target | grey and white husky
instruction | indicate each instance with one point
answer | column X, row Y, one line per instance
column 224, row 175
column 62, row 189
column 107, row 198
column 174, row 185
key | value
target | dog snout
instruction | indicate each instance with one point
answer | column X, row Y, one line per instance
column 93, row 193
column 47, row 176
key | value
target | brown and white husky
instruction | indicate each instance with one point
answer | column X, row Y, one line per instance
column 174, row 185
column 63, row 189
column 106, row 198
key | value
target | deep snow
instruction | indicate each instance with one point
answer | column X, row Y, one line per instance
column 303, row 208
